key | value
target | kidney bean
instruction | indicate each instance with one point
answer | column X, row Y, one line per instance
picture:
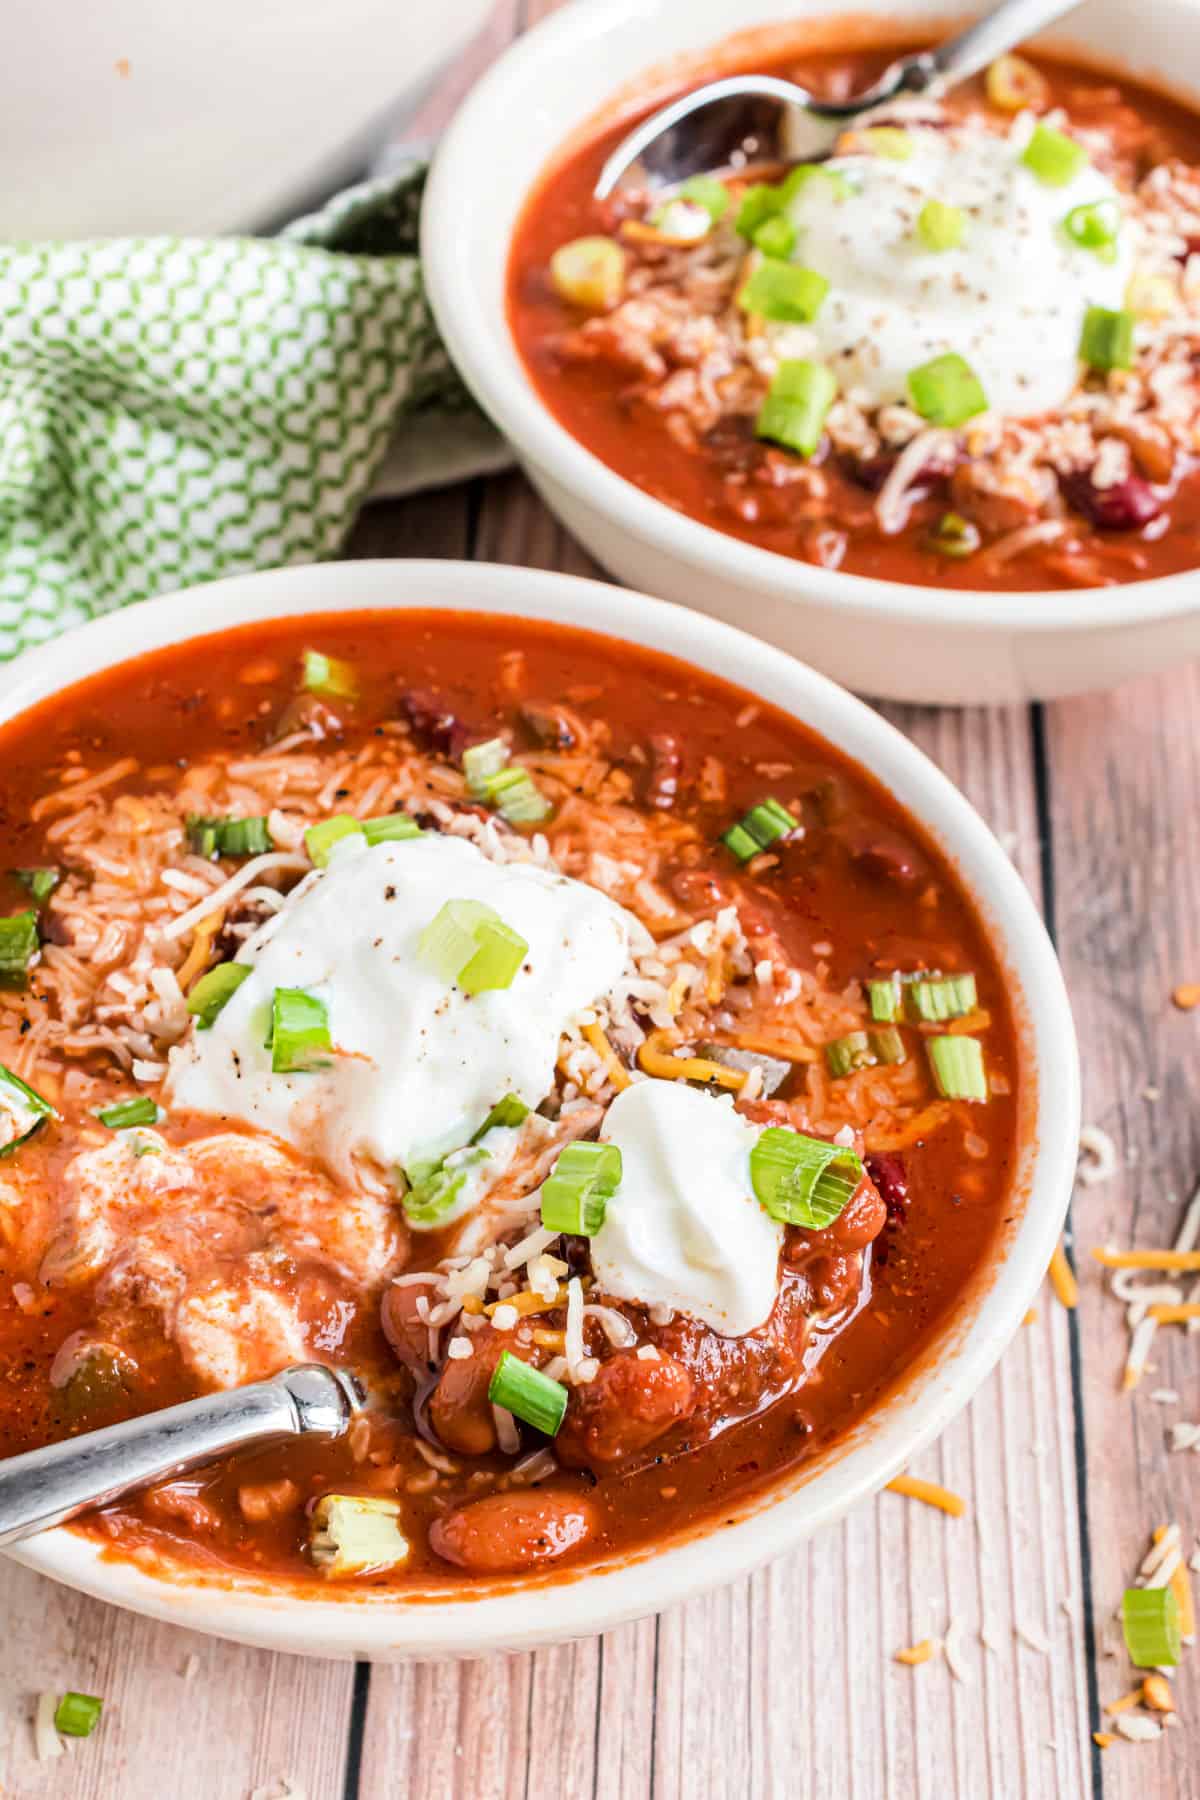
column 891, row 1179
column 883, row 853
column 627, row 1406
column 434, row 723
column 666, row 768
column 1125, row 506
column 505, row 1533
column 871, row 472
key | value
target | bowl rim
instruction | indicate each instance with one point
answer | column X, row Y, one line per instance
column 482, row 347
column 517, row 1619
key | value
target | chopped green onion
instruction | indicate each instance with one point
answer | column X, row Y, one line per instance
column 1150, row 1618
column 888, row 1046
column 707, row 192
column 1106, row 341
column 355, row 1534
column 77, row 1715
column 864, row 1050
column 480, row 761
column 932, row 998
column 331, row 679
column 762, row 825
column 758, row 204
column 228, row 837
column 469, row 944
column 957, row 1064
column 941, row 226
column 589, row 272
column 1053, row 157
column 575, row 1196
column 1095, row 227
column 511, row 1111
column 213, row 990
column 836, row 180
column 516, row 797
column 776, row 237
column 40, row 882
column 783, row 292
column 25, row 1109
column 391, row 828
column 886, row 140
column 802, row 1180
column 764, row 201
column 320, row 838
column 142, row 1111
column 683, row 220
column 885, row 999
column 954, row 536
column 299, row 1036
column 528, row 1394
column 946, row 390
column 793, row 413
column 19, row 944
column 435, row 1189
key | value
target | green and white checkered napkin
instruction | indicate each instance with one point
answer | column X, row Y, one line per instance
column 174, row 409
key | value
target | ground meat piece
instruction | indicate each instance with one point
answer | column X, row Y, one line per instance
column 434, row 723
column 630, row 1404
column 243, row 918
column 666, row 770
column 997, row 503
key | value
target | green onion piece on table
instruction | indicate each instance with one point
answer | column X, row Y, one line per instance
column 1106, row 341
column 1053, row 157
column 22, row 1108
column 798, row 399
column 946, row 390
column 19, row 945
column 299, row 1039
column 957, row 1064
column 887, row 140
column 1095, row 227
column 528, row 1394
column 802, row 1180
column 932, row 998
column 885, row 999
column 391, row 828
column 469, row 944
column 511, row 1112
column 941, row 226
column 575, row 1196
column 776, row 237
column 708, row 192
column 140, row 1111
column 329, row 678
column 77, row 1715
column 213, row 990
column 1150, row 1618
column 783, row 292
column 762, row 825
column 481, row 761
column 228, row 837
column 954, row 536
column 41, row 883
column 589, row 272
column 320, row 838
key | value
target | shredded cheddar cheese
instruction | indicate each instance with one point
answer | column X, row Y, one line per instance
column 1104, row 1738
column 1133, row 1698
column 931, row 1493
column 1148, row 1259
column 923, row 1652
column 1156, row 1692
column 1030, row 1317
column 1062, row 1278
column 1165, row 1314
column 528, row 1302
column 618, row 1074
column 654, row 1058
column 1180, row 1585
column 196, row 960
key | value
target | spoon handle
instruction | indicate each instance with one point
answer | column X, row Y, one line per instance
column 989, row 37
column 47, row 1487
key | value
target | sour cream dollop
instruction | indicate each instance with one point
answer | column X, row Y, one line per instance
column 419, row 1064
column 1011, row 299
column 684, row 1229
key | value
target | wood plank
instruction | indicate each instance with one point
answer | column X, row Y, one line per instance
column 1124, row 797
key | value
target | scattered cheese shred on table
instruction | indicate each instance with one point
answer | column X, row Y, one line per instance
column 1187, row 995
column 1180, row 1584
column 1148, row 1259
column 1132, row 1698
column 923, row 1652
column 1177, row 1314
column 931, row 1493
column 1104, row 1738
column 1062, row 1278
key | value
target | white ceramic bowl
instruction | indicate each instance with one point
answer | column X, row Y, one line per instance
column 898, row 640
column 500, row 1619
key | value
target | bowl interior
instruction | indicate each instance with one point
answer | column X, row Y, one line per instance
column 500, row 1618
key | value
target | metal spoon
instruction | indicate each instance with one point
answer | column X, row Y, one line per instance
column 759, row 117
column 47, row 1487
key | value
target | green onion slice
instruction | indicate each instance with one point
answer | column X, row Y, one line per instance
column 1150, row 1618
column 23, row 1108
column 941, row 226
column 213, row 990
column 77, row 1715
column 1106, row 341
column 887, row 140
column 516, row 797
column 762, row 825
column 708, row 192
column 575, row 1196
column 933, row 998
column 511, row 1112
column 19, row 945
column 140, row 1111
column 885, row 999
column 320, row 838
column 299, row 1039
column 888, row 1046
column 469, row 944
column 957, row 1064
column 955, row 536
column 802, row 1180
column 391, row 828
column 765, row 201
column 798, row 399
column 758, row 204
column 946, row 390
column 228, row 837
column 1095, row 227
column 589, row 272
column 434, row 1188
column 783, row 292
column 480, row 761
column 331, row 679
column 1053, row 157
column 528, row 1394
column 684, row 220
column 864, row 1050
column 40, row 882
column 776, row 237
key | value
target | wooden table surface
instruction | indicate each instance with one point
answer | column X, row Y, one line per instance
column 785, row 1683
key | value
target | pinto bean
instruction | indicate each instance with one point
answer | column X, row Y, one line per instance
column 621, row 1412
column 404, row 1330
column 459, row 1408
column 505, row 1533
